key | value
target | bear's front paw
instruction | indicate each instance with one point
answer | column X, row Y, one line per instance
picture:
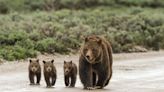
column 98, row 87
column 37, row 83
column 71, row 86
column 48, row 86
column 32, row 84
column 89, row 88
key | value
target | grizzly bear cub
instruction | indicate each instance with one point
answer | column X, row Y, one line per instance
column 34, row 70
column 70, row 73
column 49, row 73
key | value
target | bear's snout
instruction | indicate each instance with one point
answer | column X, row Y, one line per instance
column 66, row 71
column 49, row 69
column 88, row 56
column 34, row 69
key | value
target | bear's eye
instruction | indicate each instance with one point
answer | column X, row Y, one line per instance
column 94, row 49
column 85, row 49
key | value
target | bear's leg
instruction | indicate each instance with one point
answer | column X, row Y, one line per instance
column 108, row 78
column 102, row 79
column 31, row 78
column 107, row 82
column 38, row 76
column 53, row 80
column 94, row 79
column 85, row 73
column 47, row 79
column 73, row 81
column 66, row 78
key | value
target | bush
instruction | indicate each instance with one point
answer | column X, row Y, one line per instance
column 128, row 30
column 27, row 44
column 4, row 8
column 34, row 5
column 50, row 45
column 34, row 36
column 11, row 37
column 16, row 52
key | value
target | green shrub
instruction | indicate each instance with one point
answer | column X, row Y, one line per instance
column 50, row 29
column 16, row 52
column 27, row 43
column 4, row 8
column 34, row 36
column 33, row 5
column 50, row 45
column 133, row 29
column 48, row 5
column 11, row 37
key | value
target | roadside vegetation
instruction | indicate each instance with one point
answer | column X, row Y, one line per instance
column 29, row 27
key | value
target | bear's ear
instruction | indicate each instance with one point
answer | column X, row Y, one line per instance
column 30, row 60
column 64, row 61
column 86, row 39
column 52, row 61
column 71, row 62
column 44, row 61
column 99, row 41
column 37, row 60
column 82, row 37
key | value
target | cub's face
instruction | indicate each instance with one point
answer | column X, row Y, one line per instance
column 92, row 49
column 34, row 65
column 48, row 66
column 67, row 67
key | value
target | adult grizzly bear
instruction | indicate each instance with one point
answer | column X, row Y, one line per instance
column 34, row 70
column 95, row 62
column 50, row 73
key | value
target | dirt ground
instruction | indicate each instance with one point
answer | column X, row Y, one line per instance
column 133, row 72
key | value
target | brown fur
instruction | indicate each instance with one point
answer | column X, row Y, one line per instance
column 95, row 62
column 50, row 73
column 70, row 73
column 34, row 70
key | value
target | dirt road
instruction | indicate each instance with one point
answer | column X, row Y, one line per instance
column 131, row 73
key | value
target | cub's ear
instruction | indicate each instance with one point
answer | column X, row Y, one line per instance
column 52, row 61
column 30, row 60
column 44, row 61
column 82, row 37
column 64, row 61
column 71, row 61
column 37, row 60
column 86, row 39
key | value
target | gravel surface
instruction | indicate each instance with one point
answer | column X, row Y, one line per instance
column 133, row 72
